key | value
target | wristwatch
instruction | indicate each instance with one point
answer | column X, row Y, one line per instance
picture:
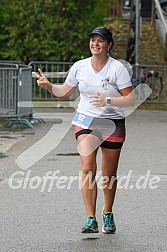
column 108, row 101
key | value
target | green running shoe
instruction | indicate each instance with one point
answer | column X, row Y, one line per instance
column 90, row 226
column 108, row 223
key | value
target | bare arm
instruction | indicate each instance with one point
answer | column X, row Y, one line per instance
column 124, row 98
column 127, row 98
column 62, row 91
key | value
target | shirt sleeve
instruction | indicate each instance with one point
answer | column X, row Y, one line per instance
column 71, row 77
column 123, row 78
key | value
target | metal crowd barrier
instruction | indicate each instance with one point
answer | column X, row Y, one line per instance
column 15, row 93
column 153, row 75
column 56, row 72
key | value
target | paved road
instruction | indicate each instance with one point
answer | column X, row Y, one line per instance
column 37, row 217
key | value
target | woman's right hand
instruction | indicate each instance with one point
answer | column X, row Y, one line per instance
column 61, row 90
column 43, row 81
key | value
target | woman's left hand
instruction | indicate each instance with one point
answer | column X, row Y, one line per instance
column 98, row 100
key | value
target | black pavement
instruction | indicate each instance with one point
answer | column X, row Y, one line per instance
column 39, row 214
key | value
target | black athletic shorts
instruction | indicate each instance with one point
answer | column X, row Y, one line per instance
column 111, row 132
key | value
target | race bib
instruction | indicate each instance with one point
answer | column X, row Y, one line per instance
column 82, row 120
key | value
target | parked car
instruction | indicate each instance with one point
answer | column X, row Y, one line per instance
column 145, row 7
column 163, row 4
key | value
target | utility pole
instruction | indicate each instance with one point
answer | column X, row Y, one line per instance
column 137, row 37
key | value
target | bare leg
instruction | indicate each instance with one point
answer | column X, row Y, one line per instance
column 89, row 167
column 110, row 159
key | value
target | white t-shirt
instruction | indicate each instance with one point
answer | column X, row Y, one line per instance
column 108, row 81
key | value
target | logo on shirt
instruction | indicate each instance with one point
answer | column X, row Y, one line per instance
column 105, row 83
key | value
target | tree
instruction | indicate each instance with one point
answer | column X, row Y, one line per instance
column 52, row 30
